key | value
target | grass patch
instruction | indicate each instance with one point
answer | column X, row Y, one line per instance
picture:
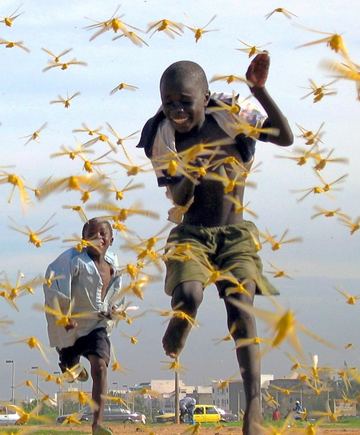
column 342, row 423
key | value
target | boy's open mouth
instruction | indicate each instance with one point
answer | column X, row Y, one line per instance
column 180, row 121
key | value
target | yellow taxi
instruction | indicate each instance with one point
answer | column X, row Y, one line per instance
column 206, row 414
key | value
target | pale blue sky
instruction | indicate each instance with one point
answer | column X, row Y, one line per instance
column 328, row 256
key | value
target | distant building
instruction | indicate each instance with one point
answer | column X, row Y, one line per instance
column 162, row 386
column 286, row 392
column 344, row 408
column 231, row 396
column 166, row 389
column 203, row 395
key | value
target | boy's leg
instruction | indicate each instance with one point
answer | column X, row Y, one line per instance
column 242, row 325
column 186, row 297
column 69, row 357
column 99, row 388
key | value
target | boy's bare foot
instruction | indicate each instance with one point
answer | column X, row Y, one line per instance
column 252, row 418
column 175, row 337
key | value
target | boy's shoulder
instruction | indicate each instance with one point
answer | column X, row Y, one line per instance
column 71, row 257
column 66, row 262
column 65, row 257
column 149, row 132
column 70, row 262
column 248, row 109
column 112, row 258
column 249, row 112
column 84, row 261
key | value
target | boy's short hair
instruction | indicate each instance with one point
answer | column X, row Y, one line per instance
column 188, row 69
column 99, row 220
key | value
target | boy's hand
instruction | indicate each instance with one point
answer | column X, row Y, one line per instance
column 200, row 163
column 71, row 325
column 106, row 314
column 258, row 70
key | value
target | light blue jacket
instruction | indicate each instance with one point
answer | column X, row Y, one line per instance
column 78, row 287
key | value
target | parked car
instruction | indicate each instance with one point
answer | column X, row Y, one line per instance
column 206, row 414
column 227, row 415
column 166, row 417
column 111, row 413
column 8, row 416
column 61, row 418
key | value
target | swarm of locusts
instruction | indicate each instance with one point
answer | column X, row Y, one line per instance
column 105, row 176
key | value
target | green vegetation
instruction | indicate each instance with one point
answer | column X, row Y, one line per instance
column 342, row 423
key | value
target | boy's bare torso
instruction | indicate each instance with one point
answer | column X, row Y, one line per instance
column 106, row 272
column 210, row 207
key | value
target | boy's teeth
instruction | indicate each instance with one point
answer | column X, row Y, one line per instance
column 180, row 120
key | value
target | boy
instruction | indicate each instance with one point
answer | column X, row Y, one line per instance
column 212, row 226
column 88, row 282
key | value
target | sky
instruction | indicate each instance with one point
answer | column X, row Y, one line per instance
column 328, row 256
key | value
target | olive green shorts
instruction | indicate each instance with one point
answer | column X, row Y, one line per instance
column 229, row 248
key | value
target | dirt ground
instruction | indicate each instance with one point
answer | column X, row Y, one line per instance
column 174, row 429
column 180, row 429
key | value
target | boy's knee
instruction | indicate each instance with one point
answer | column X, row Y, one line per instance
column 241, row 328
column 187, row 296
column 98, row 366
column 245, row 297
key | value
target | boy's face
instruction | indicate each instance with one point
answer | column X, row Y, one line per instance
column 100, row 235
column 184, row 103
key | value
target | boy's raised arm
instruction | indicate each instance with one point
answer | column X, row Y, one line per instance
column 257, row 74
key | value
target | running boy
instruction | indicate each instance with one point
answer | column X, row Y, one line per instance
column 213, row 225
column 88, row 281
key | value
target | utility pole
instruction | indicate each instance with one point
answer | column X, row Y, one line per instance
column 12, row 362
column 177, row 392
column 59, row 396
column 37, row 384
